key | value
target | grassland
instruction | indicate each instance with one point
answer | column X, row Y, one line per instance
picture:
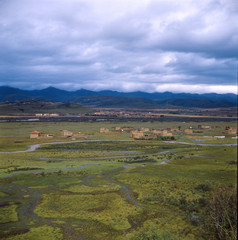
column 114, row 188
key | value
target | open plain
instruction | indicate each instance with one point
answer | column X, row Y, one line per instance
column 111, row 186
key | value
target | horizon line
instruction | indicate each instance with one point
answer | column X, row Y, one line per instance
column 39, row 89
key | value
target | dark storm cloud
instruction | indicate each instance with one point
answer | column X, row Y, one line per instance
column 127, row 45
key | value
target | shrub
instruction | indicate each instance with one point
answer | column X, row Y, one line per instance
column 202, row 201
column 165, row 138
column 204, row 187
column 194, row 220
column 232, row 162
column 151, row 233
column 220, row 218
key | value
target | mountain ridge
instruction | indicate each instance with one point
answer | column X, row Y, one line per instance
column 109, row 98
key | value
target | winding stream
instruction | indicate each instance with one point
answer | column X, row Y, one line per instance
column 108, row 175
column 205, row 144
column 26, row 210
column 33, row 147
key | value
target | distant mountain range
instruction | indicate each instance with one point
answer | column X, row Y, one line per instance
column 120, row 99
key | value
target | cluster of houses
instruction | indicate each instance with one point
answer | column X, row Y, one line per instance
column 116, row 129
column 38, row 135
column 46, row 114
column 192, row 131
column 64, row 133
column 151, row 134
column 146, row 133
column 230, row 130
column 142, row 133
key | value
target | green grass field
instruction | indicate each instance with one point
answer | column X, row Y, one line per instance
column 111, row 188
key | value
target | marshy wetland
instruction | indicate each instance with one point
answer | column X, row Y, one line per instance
column 110, row 186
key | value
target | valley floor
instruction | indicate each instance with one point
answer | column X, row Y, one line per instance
column 111, row 186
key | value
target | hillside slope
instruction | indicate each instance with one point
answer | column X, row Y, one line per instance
column 32, row 107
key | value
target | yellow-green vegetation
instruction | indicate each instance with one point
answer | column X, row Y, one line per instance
column 3, row 194
column 113, row 189
column 40, row 233
column 107, row 208
column 87, row 189
column 8, row 213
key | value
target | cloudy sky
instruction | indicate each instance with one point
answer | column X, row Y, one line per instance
column 124, row 45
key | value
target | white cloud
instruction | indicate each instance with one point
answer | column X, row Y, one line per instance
column 200, row 88
column 122, row 44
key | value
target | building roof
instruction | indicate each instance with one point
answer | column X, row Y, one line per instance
column 35, row 132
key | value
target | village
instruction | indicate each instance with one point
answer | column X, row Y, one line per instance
column 147, row 114
column 143, row 133
column 64, row 133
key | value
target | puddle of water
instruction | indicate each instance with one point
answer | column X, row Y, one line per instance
column 200, row 140
column 161, row 163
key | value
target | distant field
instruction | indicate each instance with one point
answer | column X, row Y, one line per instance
column 115, row 188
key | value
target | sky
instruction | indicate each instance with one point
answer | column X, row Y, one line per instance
column 123, row 45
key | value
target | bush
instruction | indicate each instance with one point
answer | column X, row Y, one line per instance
column 165, row 138
column 202, row 201
column 151, row 233
column 194, row 220
column 204, row 187
column 220, row 216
